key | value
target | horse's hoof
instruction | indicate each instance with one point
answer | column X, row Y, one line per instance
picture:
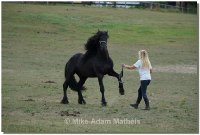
column 64, row 102
column 121, row 91
column 104, row 103
column 81, row 101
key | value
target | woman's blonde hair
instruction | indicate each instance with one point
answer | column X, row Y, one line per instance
column 143, row 56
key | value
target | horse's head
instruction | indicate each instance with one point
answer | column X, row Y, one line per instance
column 97, row 42
column 103, row 37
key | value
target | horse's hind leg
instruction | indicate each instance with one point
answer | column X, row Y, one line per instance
column 80, row 96
column 65, row 98
column 69, row 71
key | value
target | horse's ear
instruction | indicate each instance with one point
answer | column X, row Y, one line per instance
column 107, row 33
column 98, row 31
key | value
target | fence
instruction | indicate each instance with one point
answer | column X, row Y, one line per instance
column 150, row 5
column 159, row 6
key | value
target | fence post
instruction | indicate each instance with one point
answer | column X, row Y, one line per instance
column 151, row 6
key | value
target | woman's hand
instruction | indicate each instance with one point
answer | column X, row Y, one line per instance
column 128, row 67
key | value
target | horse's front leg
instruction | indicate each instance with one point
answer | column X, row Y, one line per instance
column 114, row 74
column 103, row 100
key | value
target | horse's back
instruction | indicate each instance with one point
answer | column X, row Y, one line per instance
column 72, row 62
column 74, row 59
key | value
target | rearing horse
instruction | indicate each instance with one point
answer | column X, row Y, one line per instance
column 96, row 62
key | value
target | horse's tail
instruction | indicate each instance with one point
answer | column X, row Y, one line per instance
column 73, row 84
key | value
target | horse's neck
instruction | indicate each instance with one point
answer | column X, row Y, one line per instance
column 103, row 54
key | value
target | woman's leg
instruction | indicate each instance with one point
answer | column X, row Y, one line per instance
column 139, row 96
column 144, row 84
column 138, row 99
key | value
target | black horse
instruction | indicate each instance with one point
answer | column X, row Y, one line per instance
column 94, row 63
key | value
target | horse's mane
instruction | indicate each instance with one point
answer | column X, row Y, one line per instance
column 91, row 45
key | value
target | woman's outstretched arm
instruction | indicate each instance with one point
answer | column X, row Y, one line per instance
column 129, row 67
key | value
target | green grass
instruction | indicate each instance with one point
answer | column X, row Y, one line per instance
column 37, row 41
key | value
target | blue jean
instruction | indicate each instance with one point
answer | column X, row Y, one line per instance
column 142, row 92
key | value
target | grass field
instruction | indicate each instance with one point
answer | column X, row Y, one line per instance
column 37, row 41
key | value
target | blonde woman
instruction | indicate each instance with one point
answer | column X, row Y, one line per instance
column 143, row 65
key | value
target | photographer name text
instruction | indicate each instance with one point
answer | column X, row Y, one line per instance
column 99, row 121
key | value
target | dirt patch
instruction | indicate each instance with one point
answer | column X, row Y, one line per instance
column 192, row 69
column 48, row 81
column 66, row 113
column 31, row 100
